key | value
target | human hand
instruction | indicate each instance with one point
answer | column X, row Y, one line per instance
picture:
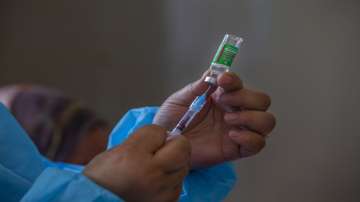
column 146, row 167
column 232, row 125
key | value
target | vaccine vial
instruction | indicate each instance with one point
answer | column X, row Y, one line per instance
column 224, row 57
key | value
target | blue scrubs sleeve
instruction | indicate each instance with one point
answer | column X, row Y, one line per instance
column 62, row 185
column 202, row 185
column 20, row 161
column 23, row 170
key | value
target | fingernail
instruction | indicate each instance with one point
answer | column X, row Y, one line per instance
column 230, row 117
column 226, row 78
column 234, row 134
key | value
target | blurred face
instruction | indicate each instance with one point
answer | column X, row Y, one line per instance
column 8, row 93
column 93, row 143
column 61, row 129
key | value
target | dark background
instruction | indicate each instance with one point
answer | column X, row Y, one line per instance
column 115, row 55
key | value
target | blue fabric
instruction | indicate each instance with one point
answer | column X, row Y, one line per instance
column 20, row 161
column 24, row 171
column 61, row 185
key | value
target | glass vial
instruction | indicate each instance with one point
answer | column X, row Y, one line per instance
column 224, row 57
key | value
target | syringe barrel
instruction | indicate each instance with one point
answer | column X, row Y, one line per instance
column 184, row 122
column 190, row 114
column 224, row 57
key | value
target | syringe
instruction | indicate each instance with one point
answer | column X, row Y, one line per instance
column 221, row 63
column 190, row 114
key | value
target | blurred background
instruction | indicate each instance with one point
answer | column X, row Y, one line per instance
column 115, row 55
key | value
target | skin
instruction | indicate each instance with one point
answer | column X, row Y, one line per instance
column 91, row 144
column 147, row 163
column 233, row 124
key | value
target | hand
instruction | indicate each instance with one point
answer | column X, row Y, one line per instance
column 232, row 125
column 145, row 168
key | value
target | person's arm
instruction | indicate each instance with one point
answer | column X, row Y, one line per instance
column 207, row 184
column 147, row 168
column 140, row 169
column 61, row 185
column 20, row 161
column 24, row 171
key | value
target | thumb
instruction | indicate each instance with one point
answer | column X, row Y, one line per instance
column 191, row 91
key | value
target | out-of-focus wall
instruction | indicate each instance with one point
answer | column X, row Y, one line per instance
column 305, row 54
column 105, row 53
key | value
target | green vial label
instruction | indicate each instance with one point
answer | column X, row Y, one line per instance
column 225, row 56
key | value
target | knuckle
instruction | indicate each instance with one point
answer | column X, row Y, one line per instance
column 128, row 154
column 237, row 82
column 146, row 179
column 184, row 145
column 155, row 130
column 245, row 117
column 184, row 141
column 119, row 153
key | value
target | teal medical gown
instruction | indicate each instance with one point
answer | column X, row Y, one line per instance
column 28, row 176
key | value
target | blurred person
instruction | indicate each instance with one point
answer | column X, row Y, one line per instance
column 142, row 165
column 61, row 128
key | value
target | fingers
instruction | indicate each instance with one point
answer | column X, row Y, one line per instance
column 246, row 99
column 249, row 142
column 257, row 121
column 177, row 178
column 186, row 95
column 177, row 190
column 229, row 81
column 174, row 155
column 236, row 96
column 148, row 138
column 173, row 195
column 198, row 87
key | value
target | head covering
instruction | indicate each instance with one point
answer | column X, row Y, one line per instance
column 54, row 122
